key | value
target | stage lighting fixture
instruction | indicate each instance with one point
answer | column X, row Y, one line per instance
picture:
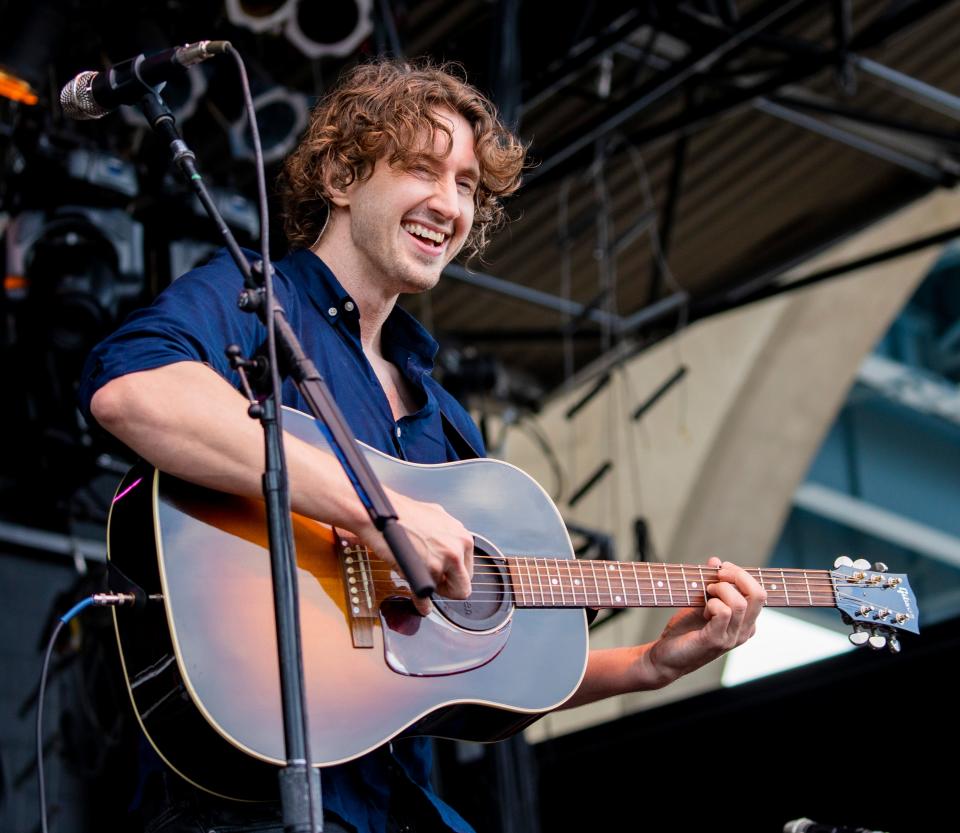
column 70, row 273
column 336, row 29
column 103, row 170
column 259, row 15
column 237, row 211
column 316, row 29
column 282, row 115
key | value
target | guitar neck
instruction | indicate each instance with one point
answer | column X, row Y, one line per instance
column 550, row 582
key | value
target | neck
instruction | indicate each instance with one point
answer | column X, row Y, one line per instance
column 374, row 303
column 548, row 582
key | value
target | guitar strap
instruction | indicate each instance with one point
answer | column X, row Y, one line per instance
column 460, row 444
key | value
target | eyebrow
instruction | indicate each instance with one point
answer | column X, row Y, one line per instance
column 473, row 171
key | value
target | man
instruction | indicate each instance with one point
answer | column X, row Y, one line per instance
column 401, row 168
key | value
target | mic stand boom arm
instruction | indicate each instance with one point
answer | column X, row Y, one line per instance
column 299, row 782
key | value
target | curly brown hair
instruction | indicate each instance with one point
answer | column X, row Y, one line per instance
column 387, row 109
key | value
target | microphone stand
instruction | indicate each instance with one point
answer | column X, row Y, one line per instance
column 300, row 792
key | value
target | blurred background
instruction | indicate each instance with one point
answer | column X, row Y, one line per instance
column 724, row 320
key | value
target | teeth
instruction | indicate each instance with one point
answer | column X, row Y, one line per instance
column 420, row 231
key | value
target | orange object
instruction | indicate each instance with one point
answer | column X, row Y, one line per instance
column 15, row 285
column 16, row 89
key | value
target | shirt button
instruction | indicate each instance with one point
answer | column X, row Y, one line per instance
column 348, row 306
column 398, row 432
column 332, row 311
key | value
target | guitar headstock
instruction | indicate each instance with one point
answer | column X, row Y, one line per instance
column 876, row 603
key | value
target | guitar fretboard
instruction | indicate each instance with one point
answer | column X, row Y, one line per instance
column 549, row 582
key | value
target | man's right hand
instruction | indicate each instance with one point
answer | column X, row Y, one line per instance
column 439, row 539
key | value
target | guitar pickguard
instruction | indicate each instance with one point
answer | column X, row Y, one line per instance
column 430, row 646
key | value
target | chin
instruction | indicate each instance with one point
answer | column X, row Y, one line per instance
column 421, row 283
column 421, row 280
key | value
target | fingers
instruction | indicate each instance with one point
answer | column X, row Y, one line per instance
column 443, row 543
column 734, row 602
column 423, row 606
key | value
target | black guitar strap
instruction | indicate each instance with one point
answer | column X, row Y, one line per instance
column 460, row 444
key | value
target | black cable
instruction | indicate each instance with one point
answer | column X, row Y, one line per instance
column 100, row 599
column 43, row 686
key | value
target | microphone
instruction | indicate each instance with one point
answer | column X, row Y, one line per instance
column 806, row 825
column 91, row 95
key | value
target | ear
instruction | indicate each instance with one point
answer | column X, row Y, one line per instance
column 337, row 196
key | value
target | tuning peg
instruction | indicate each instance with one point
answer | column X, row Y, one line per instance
column 861, row 564
column 893, row 644
column 880, row 567
column 843, row 561
column 859, row 636
column 877, row 641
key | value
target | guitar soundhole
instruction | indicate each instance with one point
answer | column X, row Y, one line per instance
column 490, row 602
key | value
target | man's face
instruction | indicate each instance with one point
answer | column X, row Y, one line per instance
column 406, row 225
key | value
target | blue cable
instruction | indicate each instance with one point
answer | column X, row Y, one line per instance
column 76, row 609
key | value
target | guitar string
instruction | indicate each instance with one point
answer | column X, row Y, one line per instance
column 645, row 587
column 632, row 589
column 821, row 579
column 629, row 592
column 815, row 600
column 485, row 595
column 803, row 588
column 588, row 587
column 534, row 561
column 798, row 575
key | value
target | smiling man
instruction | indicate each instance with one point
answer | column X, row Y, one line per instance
column 401, row 169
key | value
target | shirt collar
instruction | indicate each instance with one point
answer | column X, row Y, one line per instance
column 405, row 339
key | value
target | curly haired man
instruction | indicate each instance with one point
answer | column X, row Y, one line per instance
column 402, row 168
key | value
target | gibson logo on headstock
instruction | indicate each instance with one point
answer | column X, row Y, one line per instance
column 902, row 591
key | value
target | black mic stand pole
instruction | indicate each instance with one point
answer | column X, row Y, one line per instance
column 299, row 781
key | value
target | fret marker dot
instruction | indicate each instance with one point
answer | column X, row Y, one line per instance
column 693, row 584
column 576, row 581
column 659, row 584
column 554, row 581
column 773, row 586
column 616, row 598
column 611, row 567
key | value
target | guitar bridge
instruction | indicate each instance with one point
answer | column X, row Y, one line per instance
column 358, row 590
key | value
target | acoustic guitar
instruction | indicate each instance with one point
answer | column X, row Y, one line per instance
column 200, row 658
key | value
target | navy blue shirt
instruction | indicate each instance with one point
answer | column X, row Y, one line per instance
column 197, row 316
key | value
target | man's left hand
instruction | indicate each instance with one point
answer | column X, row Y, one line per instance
column 695, row 636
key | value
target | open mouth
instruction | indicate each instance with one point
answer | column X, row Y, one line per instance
column 428, row 237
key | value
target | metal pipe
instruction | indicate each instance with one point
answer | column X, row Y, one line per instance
column 530, row 295
column 51, row 542
column 876, row 149
column 934, row 97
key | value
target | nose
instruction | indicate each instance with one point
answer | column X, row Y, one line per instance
column 445, row 198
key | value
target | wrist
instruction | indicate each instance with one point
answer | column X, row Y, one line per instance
column 652, row 673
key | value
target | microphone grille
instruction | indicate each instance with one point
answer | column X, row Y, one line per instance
column 76, row 98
